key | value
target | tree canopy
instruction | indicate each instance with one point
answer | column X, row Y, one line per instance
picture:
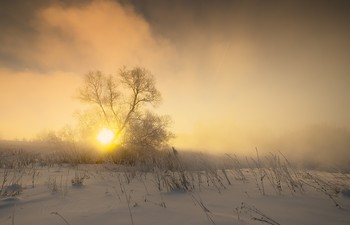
column 123, row 103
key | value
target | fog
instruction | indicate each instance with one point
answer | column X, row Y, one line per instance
column 234, row 75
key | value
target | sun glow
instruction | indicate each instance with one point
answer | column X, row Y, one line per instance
column 105, row 136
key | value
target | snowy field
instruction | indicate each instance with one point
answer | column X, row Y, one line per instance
column 110, row 194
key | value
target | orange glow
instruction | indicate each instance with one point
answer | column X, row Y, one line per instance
column 105, row 136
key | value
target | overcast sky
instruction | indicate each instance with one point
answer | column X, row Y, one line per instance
column 233, row 74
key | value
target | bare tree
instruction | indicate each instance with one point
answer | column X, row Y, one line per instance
column 149, row 131
column 144, row 91
column 100, row 90
column 121, row 100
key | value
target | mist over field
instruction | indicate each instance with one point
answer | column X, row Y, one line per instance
column 234, row 76
column 174, row 112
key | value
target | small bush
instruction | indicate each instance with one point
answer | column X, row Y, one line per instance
column 78, row 179
column 12, row 190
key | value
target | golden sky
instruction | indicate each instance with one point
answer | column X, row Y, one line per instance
column 233, row 74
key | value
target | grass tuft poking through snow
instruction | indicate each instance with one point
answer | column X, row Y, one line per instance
column 59, row 215
column 173, row 189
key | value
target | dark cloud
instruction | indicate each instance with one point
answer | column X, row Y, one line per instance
column 276, row 26
column 15, row 17
column 178, row 18
column 19, row 28
column 310, row 35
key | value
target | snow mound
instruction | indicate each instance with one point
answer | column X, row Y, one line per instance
column 11, row 199
column 346, row 192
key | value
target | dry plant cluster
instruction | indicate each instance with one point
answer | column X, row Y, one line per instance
column 172, row 171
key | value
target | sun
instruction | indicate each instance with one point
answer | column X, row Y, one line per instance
column 105, row 136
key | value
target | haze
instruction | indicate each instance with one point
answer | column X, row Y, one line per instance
column 233, row 74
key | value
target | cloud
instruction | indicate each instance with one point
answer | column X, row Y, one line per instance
column 97, row 35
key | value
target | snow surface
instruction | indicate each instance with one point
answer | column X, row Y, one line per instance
column 102, row 194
